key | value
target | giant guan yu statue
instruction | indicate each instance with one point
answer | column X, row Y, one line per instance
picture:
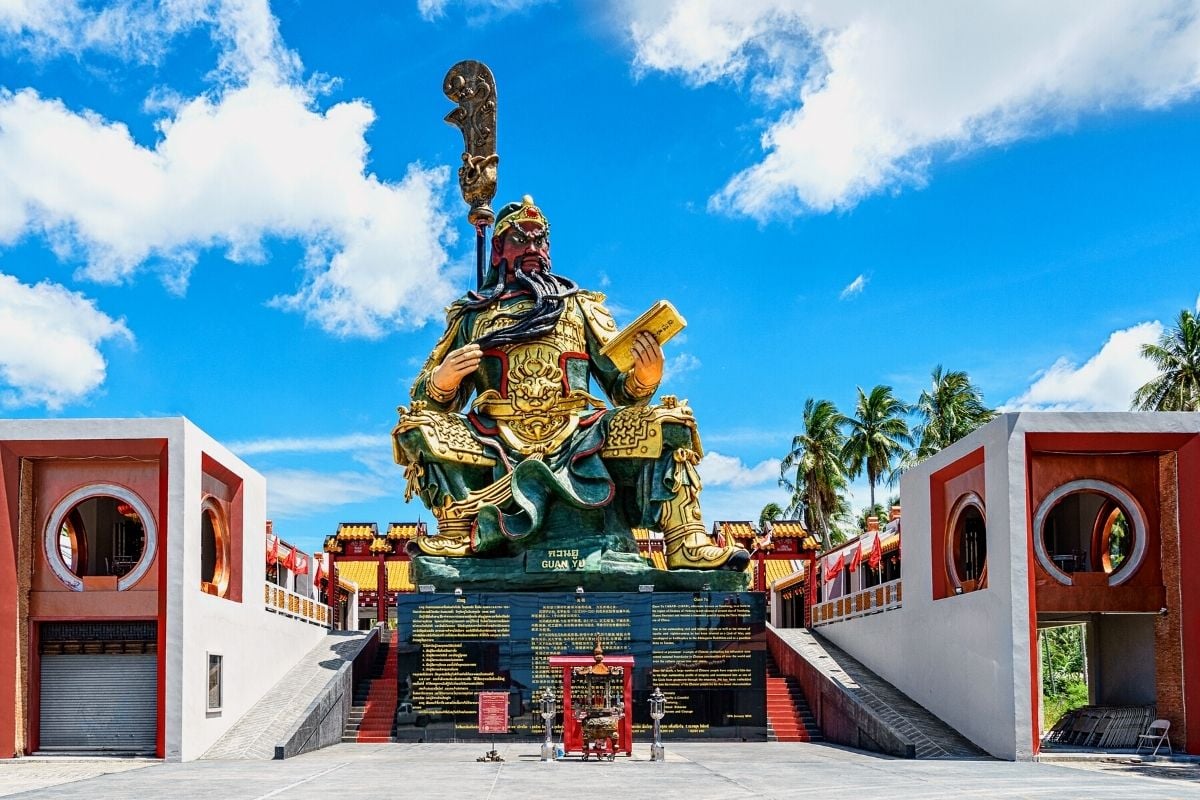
column 505, row 442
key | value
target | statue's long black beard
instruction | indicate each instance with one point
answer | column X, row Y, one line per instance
column 549, row 292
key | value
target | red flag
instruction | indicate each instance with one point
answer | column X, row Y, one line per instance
column 834, row 569
column 290, row 560
column 876, row 554
column 272, row 549
column 320, row 573
column 300, row 562
column 855, row 559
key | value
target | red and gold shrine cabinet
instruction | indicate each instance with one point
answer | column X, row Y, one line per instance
column 573, row 739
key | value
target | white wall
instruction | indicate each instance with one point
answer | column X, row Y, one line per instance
column 957, row 656
column 259, row 646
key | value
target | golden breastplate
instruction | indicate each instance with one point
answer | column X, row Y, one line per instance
column 535, row 408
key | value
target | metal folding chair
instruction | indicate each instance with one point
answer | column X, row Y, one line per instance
column 1156, row 734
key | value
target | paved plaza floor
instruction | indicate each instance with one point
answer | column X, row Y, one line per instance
column 693, row 771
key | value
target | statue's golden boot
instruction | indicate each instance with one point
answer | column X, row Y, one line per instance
column 456, row 521
column 454, row 543
column 688, row 545
column 693, row 548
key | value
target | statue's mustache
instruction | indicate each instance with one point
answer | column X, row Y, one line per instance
column 549, row 293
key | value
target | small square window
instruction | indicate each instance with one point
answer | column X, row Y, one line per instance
column 214, row 682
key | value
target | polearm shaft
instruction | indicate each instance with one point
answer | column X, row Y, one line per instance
column 470, row 84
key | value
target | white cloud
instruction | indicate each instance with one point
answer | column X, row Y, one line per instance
column 725, row 503
column 721, row 470
column 49, row 344
column 873, row 92
column 311, row 444
column 778, row 438
column 854, row 288
column 677, row 366
column 487, row 9
column 1105, row 382
column 254, row 159
column 293, row 493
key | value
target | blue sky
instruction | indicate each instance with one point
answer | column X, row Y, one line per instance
column 245, row 213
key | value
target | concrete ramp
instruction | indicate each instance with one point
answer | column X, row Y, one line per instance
column 313, row 699
column 856, row 707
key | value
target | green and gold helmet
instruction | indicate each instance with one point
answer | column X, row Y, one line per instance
column 524, row 211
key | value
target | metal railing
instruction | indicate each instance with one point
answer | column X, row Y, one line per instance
column 874, row 600
column 290, row 604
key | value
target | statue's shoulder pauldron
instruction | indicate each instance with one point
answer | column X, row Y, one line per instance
column 599, row 320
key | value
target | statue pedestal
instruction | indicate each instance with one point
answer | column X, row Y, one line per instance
column 565, row 569
column 705, row 650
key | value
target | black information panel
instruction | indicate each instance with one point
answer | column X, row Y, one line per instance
column 706, row 651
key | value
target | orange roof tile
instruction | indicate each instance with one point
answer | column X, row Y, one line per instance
column 399, row 576
column 403, row 530
column 357, row 530
column 780, row 568
column 788, row 529
column 737, row 528
column 363, row 573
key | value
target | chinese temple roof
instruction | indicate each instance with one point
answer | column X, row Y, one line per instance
column 789, row 529
column 363, row 573
column 405, row 530
column 366, row 575
column 779, row 569
column 736, row 529
column 349, row 531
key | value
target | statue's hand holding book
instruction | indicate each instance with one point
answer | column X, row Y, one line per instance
column 661, row 320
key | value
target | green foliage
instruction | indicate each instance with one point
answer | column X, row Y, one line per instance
column 771, row 511
column 813, row 470
column 949, row 409
column 1118, row 541
column 1177, row 357
column 878, row 435
column 1075, row 695
column 1064, row 684
column 833, row 448
column 877, row 511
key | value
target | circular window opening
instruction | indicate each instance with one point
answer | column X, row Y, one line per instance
column 970, row 544
column 1113, row 539
column 102, row 530
column 214, row 550
column 1090, row 526
column 101, row 536
column 966, row 547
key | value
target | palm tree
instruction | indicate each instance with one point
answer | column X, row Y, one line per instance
column 816, row 458
column 770, row 512
column 879, row 512
column 878, row 435
column 1177, row 356
column 949, row 409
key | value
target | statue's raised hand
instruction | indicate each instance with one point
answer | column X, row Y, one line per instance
column 457, row 365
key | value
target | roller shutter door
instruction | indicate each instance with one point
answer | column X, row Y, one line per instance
column 99, row 702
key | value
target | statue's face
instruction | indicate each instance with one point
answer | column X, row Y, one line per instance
column 523, row 247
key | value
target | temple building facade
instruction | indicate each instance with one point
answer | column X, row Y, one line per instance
column 1034, row 521
column 135, row 611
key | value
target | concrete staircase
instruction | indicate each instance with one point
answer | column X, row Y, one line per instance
column 869, row 712
column 789, row 719
column 373, row 713
column 276, row 715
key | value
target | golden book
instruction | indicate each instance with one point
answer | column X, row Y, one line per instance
column 661, row 320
